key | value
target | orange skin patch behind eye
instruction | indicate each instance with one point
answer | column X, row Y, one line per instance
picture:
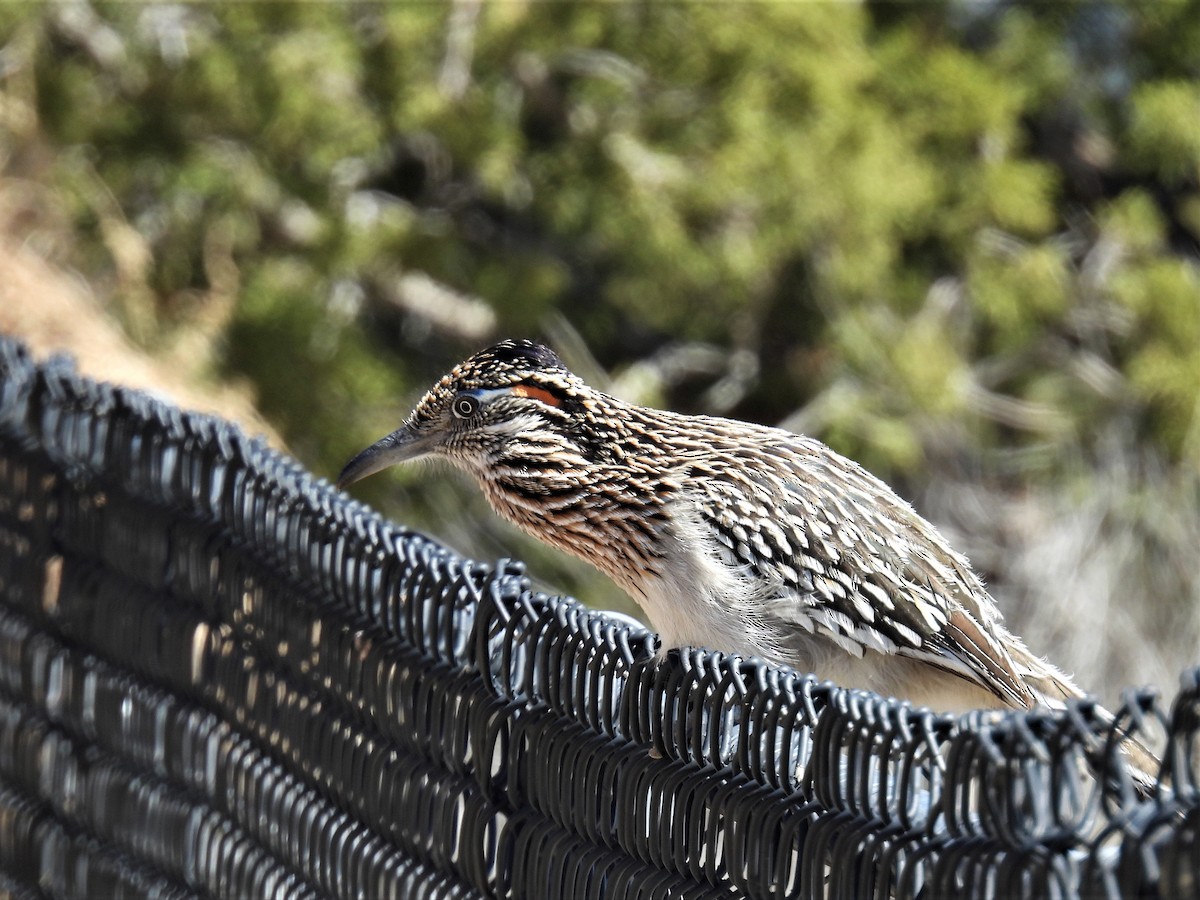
column 536, row 393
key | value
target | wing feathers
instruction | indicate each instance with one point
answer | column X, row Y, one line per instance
column 869, row 571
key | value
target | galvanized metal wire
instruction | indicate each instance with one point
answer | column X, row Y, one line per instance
column 221, row 678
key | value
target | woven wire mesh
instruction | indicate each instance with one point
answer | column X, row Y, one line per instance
column 221, row 678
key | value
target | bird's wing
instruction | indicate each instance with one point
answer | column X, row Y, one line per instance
column 854, row 561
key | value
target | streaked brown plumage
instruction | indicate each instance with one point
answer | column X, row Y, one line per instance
column 731, row 536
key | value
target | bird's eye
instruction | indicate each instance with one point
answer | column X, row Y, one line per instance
column 465, row 406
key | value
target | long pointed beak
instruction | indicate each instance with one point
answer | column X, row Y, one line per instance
column 400, row 446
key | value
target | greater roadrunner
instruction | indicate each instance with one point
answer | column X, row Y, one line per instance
column 730, row 536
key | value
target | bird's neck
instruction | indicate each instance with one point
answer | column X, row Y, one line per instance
column 603, row 500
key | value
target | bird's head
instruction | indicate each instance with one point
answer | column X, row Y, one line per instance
column 513, row 405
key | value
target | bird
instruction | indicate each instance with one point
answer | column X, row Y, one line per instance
column 729, row 535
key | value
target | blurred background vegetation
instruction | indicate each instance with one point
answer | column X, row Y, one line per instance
column 957, row 241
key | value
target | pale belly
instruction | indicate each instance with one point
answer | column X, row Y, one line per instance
column 717, row 614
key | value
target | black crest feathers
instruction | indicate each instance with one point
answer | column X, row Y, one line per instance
column 522, row 353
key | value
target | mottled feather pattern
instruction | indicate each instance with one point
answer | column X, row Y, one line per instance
column 845, row 558
column 806, row 548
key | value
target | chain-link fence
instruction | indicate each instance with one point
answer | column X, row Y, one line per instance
column 220, row 678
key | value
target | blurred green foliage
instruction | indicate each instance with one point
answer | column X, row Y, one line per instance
column 923, row 232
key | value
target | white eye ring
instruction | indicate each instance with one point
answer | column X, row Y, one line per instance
column 465, row 406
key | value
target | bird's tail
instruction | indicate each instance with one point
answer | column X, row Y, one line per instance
column 1144, row 767
column 1054, row 689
